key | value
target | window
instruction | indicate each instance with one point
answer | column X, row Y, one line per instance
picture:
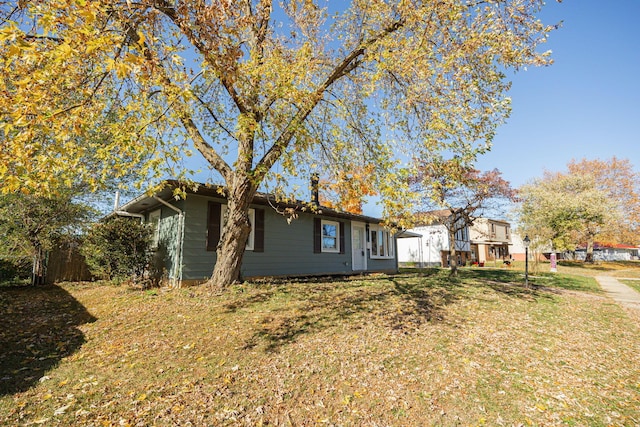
column 382, row 244
column 461, row 234
column 215, row 221
column 154, row 224
column 328, row 236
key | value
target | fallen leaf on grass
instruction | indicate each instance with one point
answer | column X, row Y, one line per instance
column 61, row 410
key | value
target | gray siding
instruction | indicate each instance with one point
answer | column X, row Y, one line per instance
column 167, row 252
column 288, row 247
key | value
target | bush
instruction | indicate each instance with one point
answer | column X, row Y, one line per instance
column 15, row 269
column 118, row 249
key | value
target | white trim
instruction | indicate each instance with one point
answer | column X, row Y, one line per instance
column 362, row 226
column 385, row 240
column 336, row 224
column 154, row 218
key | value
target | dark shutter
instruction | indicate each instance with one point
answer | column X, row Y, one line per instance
column 213, row 226
column 317, row 235
column 258, row 236
column 341, row 237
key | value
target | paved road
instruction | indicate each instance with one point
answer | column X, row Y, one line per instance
column 620, row 292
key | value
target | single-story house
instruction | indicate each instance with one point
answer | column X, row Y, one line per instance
column 319, row 241
column 430, row 247
column 609, row 252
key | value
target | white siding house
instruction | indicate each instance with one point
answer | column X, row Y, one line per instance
column 431, row 248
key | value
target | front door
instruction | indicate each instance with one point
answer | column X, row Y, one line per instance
column 358, row 247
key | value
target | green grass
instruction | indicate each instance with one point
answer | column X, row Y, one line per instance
column 409, row 349
column 634, row 284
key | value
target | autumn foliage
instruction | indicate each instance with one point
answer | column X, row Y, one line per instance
column 263, row 91
column 593, row 201
column 460, row 194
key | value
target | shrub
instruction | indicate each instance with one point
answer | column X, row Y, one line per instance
column 118, row 249
column 15, row 269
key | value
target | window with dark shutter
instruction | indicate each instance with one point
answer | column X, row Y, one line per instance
column 213, row 226
column 341, row 237
column 258, row 244
column 317, row 235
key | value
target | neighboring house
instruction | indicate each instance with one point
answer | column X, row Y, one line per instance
column 187, row 232
column 490, row 240
column 431, row 246
column 609, row 252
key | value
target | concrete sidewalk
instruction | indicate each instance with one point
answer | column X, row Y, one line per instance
column 620, row 292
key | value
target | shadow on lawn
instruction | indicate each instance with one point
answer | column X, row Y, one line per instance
column 39, row 328
column 401, row 302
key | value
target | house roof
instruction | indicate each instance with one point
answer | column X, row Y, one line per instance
column 598, row 245
column 432, row 217
column 145, row 202
column 405, row 234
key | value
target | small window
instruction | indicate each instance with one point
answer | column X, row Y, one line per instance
column 330, row 236
column 154, row 224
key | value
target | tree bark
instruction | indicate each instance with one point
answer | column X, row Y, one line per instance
column 235, row 232
column 38, row 274
column 589, row 256
column 453, row 264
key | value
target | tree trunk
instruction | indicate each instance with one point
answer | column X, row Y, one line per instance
column 38, row 274
column 453, row 262
column 589, row 256
column 233, row 239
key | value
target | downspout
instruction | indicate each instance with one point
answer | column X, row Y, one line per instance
column 176, row 281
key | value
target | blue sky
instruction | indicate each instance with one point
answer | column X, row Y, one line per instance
column 585, row 105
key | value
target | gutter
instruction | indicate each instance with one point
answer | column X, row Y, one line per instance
column 116, row 206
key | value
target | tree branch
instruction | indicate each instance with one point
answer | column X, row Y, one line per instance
column 170, row 12
column 348, row 64
column 207, row 151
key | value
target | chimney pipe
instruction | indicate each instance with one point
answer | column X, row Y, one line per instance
column 315, row 196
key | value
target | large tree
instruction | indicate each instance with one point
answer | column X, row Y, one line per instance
column 618, row 179
column 567, row 209
column 31, row 226
column 262, row 90
column 464, row 192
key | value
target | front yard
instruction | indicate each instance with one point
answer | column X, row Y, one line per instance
column 404, row 350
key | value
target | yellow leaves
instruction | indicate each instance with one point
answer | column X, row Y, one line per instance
column 14, row 50
column 88, row 15
column 64, row 51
